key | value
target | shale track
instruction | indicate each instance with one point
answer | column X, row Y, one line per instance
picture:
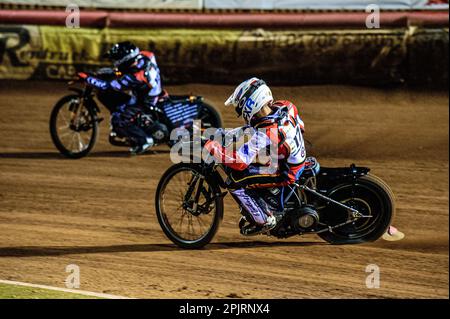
column 98, row 212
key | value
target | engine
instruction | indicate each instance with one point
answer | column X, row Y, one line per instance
column 159, row 132
column 305, row 219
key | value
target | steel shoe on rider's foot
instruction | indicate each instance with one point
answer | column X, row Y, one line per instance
column 252, row 229
column 393, row 234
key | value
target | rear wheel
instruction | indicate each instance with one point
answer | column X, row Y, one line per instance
column 73, row 127
column 187, row 206
column 371, row 197
column 209, row 116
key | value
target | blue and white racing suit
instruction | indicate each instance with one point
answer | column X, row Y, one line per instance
column 144, row 81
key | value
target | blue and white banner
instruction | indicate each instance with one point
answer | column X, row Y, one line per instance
column 326, row 4
column 242, row 4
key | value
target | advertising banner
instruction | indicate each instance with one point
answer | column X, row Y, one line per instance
column 243, row 4
column 116, row 4
column 228, row 56
column 325, row 4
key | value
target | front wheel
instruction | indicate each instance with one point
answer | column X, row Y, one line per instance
column 73, row 127
column 188, row 207
column 371, row 197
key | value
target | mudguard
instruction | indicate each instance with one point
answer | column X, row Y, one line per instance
column 328, row 177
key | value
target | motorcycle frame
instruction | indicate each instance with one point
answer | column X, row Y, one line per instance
column 336, row 174
column 352, row 173
column 87, row 95
column 202, row 172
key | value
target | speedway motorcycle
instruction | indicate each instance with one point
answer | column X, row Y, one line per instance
column 346, row 205
column 74, row 121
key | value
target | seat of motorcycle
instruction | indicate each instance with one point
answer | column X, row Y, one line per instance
column 336, row 172
column 312, row 167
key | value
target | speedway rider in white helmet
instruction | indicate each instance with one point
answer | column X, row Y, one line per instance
column 275, row 125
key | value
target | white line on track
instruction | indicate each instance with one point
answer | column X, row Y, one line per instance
column 75, row 291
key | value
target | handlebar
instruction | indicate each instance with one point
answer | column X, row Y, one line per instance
column 102, row 73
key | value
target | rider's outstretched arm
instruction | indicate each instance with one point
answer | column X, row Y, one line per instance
column 116, row 84
column 241, row 158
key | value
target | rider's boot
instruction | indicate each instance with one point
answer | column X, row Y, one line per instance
column 260, row 220
column 140, row 149
column 255, row 229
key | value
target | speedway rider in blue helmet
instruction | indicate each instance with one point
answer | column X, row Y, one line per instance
column 140, row 75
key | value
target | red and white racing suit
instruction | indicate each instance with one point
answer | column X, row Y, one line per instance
column 280, row 133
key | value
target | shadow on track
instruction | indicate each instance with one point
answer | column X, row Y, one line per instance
column 57, row 156
column 37, row 251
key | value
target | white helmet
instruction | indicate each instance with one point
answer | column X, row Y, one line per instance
column 250, row 97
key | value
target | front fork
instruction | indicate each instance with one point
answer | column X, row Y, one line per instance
column 76, row 119
column 75, row 107
column 195, row 184
column 192, row 197
column 85, row 100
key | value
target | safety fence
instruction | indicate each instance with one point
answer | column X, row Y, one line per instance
column 103, row 19
column 398, row 55
column 236, row 4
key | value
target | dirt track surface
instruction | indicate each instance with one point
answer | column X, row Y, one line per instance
column 98, row 212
